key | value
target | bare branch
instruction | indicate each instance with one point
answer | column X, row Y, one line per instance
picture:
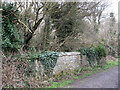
column 37, row 24
column 38, row 13
column 25, row 25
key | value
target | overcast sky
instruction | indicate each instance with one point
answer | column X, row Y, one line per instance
column 113, row 7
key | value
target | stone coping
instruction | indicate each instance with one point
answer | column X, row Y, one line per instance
column 69, row 54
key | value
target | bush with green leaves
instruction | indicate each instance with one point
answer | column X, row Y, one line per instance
column 48, row 60
column 100, row 52
column 94, row 54
column 11, row 40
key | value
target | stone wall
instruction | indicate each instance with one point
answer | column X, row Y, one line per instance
column 69, row 61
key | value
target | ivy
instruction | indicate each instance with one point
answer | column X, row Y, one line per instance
column 48, row 60
column 11, row 40
column 94, row 54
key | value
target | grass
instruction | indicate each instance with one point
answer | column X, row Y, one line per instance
column 60, row 84
column 110, row 64
column 87, row 71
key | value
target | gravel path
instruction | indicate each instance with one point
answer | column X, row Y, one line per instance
column 104, row 79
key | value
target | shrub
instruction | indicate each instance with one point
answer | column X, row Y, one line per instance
column 94, row 53
column 10, row 37
column 48, row 60
column 101, row 50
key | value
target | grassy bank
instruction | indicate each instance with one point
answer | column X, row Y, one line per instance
column 81, row 73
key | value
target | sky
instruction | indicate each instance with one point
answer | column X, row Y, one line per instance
column 113, row 7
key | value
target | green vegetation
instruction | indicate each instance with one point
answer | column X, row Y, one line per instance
column 47, row 58
column 31, row 30
column 11, row 40
column 94, row 54
column 60, row 84
column 110, row 64
column 86, row 71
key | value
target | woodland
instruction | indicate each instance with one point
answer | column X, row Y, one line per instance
column 41, row 30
